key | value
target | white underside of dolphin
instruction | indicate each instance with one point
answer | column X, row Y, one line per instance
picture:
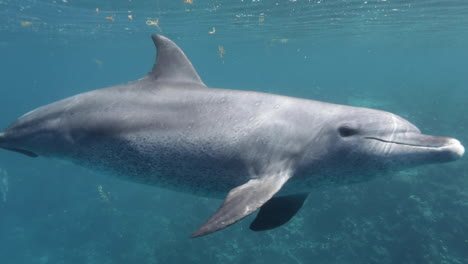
column 262, row 150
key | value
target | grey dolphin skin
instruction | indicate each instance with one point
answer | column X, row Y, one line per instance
column 264, row 151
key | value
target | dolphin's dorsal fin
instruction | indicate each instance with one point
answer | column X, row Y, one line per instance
column 171, row 63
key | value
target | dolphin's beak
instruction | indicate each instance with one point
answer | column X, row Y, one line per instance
column 455, row 148
column 437, row 149
column 3, row 145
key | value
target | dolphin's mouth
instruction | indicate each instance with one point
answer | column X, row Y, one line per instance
column 450, row 145
column 427, row 146
column 22, row 151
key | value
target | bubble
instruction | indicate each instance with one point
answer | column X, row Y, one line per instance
column 3, row 184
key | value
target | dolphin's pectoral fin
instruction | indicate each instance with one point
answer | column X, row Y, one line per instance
column 278, row 211
column 244, row 200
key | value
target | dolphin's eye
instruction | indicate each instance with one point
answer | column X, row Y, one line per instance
column 346, row 131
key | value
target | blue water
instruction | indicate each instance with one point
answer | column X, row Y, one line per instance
column 407, row 57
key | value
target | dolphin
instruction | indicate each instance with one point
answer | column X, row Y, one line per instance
column 264, row 151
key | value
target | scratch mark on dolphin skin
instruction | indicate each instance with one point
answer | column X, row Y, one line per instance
column 388, row 148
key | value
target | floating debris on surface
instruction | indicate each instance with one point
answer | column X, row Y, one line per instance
column 280, row 40
column 26, row 23
column 153, row 22
column 213, row 30
column 261, row 19
column 130, row 15
column 98, row 62
column 150, row 22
